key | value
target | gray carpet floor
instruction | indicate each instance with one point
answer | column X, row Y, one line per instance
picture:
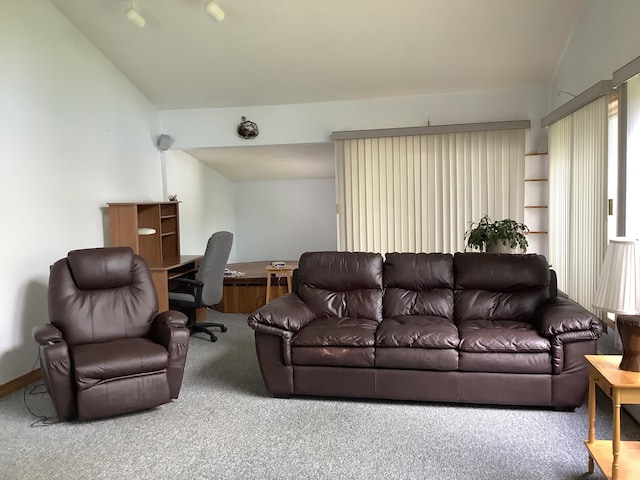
column 226, row 426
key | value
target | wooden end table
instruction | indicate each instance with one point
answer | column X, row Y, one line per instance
column 285, row 271
column 617, row 460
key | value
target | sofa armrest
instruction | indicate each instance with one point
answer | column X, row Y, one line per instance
column 46, row 334
column 560, row 315
column 287, row 313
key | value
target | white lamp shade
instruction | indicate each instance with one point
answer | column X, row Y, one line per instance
column 618, row 289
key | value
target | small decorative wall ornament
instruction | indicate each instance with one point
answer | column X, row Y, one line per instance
column 247, row 129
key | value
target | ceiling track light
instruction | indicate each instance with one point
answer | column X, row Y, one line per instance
column 214, row 10
column 134, row 16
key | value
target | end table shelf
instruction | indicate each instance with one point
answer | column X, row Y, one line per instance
column 618, row 460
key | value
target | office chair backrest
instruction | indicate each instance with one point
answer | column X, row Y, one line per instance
column 101, row 294
column 211, row 271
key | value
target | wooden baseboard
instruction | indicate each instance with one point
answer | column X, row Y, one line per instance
column 20, row 382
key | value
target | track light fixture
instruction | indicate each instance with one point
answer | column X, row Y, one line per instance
column 214, row 10
column 134, row 16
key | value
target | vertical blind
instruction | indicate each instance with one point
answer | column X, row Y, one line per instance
column 418, row 193
column 578, row 199
column 632, row 224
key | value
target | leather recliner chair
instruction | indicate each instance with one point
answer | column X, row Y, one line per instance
column 106, row 350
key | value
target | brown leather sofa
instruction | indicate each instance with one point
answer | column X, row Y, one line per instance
column 470, row 328
column 107, row 351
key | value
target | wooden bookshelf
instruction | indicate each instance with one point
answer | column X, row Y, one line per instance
column 152, row 229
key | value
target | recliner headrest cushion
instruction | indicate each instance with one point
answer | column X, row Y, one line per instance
column 99, row 268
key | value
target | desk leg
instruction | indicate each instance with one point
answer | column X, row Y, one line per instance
column 616, row 434
column 161, row 282
column 592, row 417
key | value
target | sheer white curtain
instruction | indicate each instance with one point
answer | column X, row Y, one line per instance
column 418, row 193
column 578, row 199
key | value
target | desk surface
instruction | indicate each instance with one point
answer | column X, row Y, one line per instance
column 253, row 271
column 173, row 263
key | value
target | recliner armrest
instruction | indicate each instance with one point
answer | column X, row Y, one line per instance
column 166, row 328
column 287, row 312
column 57, row 370
column 169, row 329
column 172, row 318
column 46, row 334
column 560, row 315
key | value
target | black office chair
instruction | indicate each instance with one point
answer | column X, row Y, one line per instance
column 206, row 289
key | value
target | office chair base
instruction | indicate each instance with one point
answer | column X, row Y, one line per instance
column 204, row 328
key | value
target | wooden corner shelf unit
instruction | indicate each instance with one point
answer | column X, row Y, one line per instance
column 151, row 229
column 536, row 199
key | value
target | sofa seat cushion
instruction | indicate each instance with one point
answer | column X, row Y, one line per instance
column 417, row 331
column 411, row 358
column 335, row 342
column 337, row 332
column 363, row 357
column 96, row 362
column 501, row 336
column 530, row 363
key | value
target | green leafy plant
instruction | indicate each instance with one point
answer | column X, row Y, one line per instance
column 486, row 233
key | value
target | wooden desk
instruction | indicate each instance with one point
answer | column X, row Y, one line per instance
column 617, row 460
column 172, row 268
column 248, row 293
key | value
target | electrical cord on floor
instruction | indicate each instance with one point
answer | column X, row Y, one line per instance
column 37, row 389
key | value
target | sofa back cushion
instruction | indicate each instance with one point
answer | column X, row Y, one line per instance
column 418, row 284
column 493, row 286
column 341, row 284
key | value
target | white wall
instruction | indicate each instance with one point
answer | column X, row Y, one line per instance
column 207, row 202
column 605, row 38
column 282, row 220
column 314, row 122
column 74, row 135
column 265, row 228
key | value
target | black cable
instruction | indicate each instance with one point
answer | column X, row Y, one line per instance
column 42, row 420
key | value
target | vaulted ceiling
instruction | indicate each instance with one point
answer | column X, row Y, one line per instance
column 272, row 52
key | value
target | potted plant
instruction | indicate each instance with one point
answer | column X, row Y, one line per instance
column 499, row 236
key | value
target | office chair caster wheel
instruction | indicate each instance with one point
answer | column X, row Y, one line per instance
column 213, row 338
column 223, row 329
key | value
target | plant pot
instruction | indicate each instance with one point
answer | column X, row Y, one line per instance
column 500, row 248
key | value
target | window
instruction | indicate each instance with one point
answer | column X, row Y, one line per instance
column 418, row 193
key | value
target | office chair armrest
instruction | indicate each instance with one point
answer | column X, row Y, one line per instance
column 287, row 312
column 189, row 281
column 46, row 334
column 197, row 288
